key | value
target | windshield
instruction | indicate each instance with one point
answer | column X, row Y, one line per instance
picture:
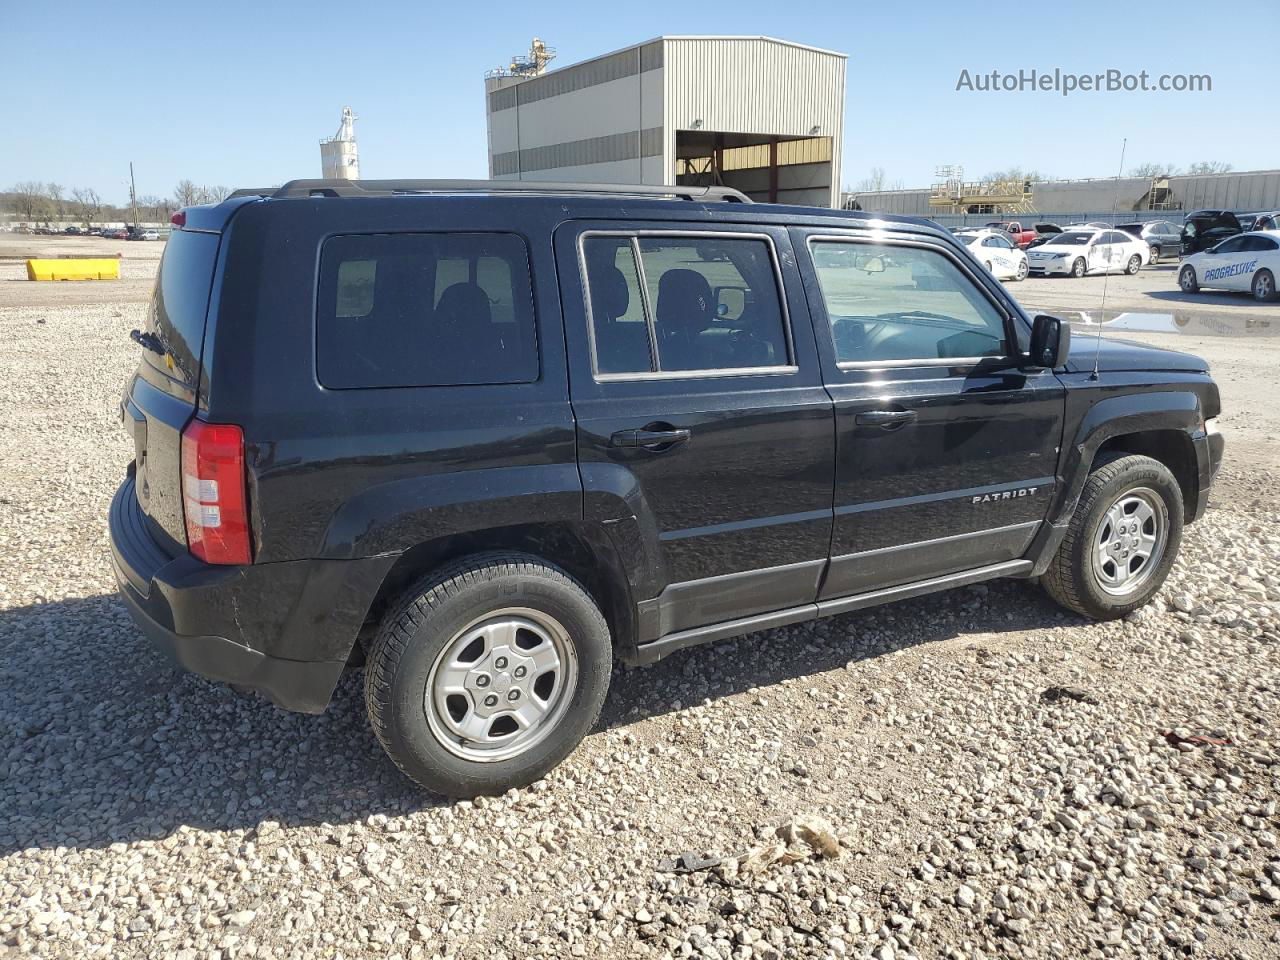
column 1074, row 239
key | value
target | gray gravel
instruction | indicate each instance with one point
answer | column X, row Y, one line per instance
column 1004, row 779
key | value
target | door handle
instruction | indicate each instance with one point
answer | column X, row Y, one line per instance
column 645, row 437
column 886, row 419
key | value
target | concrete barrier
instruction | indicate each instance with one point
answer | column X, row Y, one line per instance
column 97, row 268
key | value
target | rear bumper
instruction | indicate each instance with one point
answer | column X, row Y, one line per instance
column 284, row 629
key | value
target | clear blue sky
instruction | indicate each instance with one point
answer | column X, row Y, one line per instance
column 239, row 93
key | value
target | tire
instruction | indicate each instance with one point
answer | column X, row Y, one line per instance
column 987, row 264
column 1155, row 255
column 1263, row 286
column 509, row 604
column 1076, row 579
column 1023, row 269
column 1078, row 268
column 1187, row 279
column 1134, row 265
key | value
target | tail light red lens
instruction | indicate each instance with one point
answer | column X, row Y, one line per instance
column 213, row 492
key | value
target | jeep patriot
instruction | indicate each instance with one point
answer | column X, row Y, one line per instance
column 485, row 438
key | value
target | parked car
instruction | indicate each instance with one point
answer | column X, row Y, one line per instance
column 1044, row 233
column 116, row 233
column 996, row 252
column 491, row 501
column 72, row 231
column 1076, row 253
column 1262, row 220
column 1160, row 235
column 1207, row 228
column 1014, row 230
column 1248, row 261
column 148, row 235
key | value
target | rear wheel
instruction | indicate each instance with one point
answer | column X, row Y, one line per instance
column 1155, row 254
column 1187, row 279
column 1078, row 268
column 1122, row 539
column 487, row 674
column 1135, row 262
column 1264, row 286
column 1023, row 270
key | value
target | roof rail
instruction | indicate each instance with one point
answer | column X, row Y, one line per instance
column 371, row 188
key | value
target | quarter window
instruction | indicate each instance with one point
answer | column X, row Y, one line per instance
column 669, row 303
column 423, row 309
column 892, row 303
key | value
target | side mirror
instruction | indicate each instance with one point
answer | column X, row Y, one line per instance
column 731, row 302
column 1050, row 341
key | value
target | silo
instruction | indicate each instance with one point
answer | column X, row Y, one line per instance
column 338, row 158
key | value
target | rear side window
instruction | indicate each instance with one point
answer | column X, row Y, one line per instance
column 425, row 309
column 684, row 303
column 179, row 303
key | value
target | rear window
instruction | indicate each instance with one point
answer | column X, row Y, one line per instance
column 179, row 303
column 425, row 309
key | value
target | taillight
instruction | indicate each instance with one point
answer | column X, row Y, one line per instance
column 213, row 492
column 179, row 219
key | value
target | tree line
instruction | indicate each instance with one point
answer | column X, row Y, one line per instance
column 879, row 180
column 36, row 202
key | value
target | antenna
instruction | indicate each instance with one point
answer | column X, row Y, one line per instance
column 1102, row 310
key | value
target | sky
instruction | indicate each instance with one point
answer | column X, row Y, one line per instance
column 240, row 93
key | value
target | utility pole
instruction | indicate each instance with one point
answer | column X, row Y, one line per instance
column 133, row 196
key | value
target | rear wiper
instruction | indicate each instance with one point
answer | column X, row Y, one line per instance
column 148, row 341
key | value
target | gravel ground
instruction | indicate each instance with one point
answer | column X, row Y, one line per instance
column 1003, row 779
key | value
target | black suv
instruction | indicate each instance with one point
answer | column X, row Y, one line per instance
column 487, row 437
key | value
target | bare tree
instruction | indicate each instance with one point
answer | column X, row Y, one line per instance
column 186, row 194
column 1013, row 173
column 1208, row 166
column 1154, row 170
column 57, row 205
column 30, row 201
column 873, row 183
column 217, row 194
column 88, row 203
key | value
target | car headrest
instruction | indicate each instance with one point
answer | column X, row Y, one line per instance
column 609, row 294
column 464, row 304
column 685, row 302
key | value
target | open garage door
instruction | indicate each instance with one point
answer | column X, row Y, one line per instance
column 768, row 169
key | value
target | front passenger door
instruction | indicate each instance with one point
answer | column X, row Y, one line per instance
column 946, row 446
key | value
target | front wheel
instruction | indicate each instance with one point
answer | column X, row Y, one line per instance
column 1121, row 541
column 1187, row 279
column 1078, row 268
column 1264, row 286
column 1023, row 270
column 487, row 674
column 1135, row 262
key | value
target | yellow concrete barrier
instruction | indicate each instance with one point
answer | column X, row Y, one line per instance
column 74, row 269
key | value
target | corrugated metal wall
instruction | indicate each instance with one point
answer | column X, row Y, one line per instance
column 1254, row 190
column 754, row 85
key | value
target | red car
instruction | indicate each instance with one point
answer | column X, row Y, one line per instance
column 116, row 234
column 1018, row 235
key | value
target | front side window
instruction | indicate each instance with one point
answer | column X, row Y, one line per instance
column 670, row 303
column 895, row 303
column 425, row 309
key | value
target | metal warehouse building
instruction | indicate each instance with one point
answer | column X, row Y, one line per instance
column 1161, row 196
column 762, row 115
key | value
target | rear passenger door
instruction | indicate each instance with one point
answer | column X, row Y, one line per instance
column 946, row 449
column 704, row 431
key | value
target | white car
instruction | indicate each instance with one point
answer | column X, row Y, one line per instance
column 1075, row 253
column 997, row 253
column 1247, row 261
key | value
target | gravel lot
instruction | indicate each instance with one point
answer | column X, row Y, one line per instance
column 1003, row 779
